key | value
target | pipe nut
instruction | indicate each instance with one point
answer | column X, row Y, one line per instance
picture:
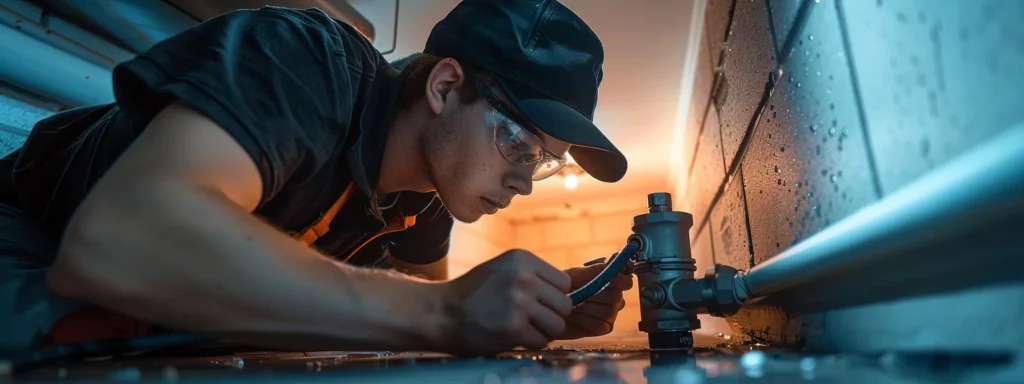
column 659, row 202
column 652, row 296
column 724, row 300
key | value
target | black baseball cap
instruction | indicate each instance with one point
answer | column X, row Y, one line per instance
column 548, row 62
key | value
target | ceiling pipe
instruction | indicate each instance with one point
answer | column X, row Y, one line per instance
column 50, row 63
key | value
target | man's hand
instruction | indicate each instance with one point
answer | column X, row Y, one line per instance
column 596, row 316
column 515, row 299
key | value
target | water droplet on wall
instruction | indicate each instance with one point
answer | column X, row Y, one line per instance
column 832, row 131
column 811, row 37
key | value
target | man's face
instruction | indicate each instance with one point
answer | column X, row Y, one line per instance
column 483, row 153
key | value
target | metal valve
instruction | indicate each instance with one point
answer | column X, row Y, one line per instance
column 670, row 296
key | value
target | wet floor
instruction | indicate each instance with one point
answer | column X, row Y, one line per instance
column 724, row 363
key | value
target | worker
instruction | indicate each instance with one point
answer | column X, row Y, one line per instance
column 267, row 177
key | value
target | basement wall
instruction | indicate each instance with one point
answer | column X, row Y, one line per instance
column 806, row 111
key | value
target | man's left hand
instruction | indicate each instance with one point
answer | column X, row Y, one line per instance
column 596, row 316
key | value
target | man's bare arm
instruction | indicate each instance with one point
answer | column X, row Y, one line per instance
column 436, row 271
column 167, row 235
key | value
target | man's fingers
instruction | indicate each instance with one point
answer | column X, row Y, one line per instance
column 607, row 297
column 559, row 279
column 534, row 339
column 594, row 325
column 549, row 323
column 598, row 310
column 583, row 275
column 621, row 282
column 554, row 299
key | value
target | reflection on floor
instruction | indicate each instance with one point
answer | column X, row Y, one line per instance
column 624, row 363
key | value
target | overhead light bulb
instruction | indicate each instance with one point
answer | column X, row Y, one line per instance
column 571, row 182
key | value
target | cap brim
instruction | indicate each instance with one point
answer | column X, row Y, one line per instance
column 590, row 148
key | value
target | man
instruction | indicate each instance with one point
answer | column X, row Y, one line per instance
column 258, row 170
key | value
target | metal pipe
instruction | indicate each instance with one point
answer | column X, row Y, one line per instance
column 44, row 62
column 957, row 226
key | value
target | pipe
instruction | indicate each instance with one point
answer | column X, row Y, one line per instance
column 136, row 24
column 957, row 226
column 34, row 60
column 605, row 277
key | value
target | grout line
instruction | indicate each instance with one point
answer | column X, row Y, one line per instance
column 711, row 239
column 737, row 161
column 799, row 22
column 848, row 50
column 746, row 219
column 771, row 28
column 700, row 133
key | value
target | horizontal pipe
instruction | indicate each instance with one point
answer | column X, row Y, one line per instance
column 136, row 24
column 958, row 226
column 43, row 62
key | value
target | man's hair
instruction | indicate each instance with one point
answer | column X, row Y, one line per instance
column 415, row 71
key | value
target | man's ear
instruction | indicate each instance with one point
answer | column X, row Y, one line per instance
column 446, row 77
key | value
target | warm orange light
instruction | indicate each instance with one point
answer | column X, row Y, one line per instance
column 571, row 181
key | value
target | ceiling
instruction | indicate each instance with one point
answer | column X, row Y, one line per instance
column 645, row 45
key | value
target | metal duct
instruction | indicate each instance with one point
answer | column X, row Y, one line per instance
column 959, row 226
column 338, row 9
column 54, row 59
column 135, row 24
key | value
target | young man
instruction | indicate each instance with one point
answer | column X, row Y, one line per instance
column 255, row 170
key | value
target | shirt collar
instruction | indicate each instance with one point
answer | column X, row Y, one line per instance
column 366, row 153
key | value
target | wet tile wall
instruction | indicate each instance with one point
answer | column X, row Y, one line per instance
column 807, row 110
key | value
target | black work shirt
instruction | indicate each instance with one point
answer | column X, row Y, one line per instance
column 306, row 96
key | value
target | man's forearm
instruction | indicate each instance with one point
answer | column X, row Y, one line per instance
column 436, row 271
column 195, row 262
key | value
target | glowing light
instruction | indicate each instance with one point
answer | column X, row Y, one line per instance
column 571, row 182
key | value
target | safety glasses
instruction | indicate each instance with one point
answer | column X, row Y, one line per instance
column 517, row 144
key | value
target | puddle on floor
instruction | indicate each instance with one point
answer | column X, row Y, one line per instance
column 596, row 363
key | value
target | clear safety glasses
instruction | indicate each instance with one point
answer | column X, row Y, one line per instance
column 518, row 145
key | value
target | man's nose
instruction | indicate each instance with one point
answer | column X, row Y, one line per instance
column 519, row 184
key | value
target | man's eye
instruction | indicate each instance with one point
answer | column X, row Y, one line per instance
column 505, row 132
column 522, row 147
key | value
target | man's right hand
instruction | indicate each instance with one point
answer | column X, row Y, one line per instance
column 513, row 300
